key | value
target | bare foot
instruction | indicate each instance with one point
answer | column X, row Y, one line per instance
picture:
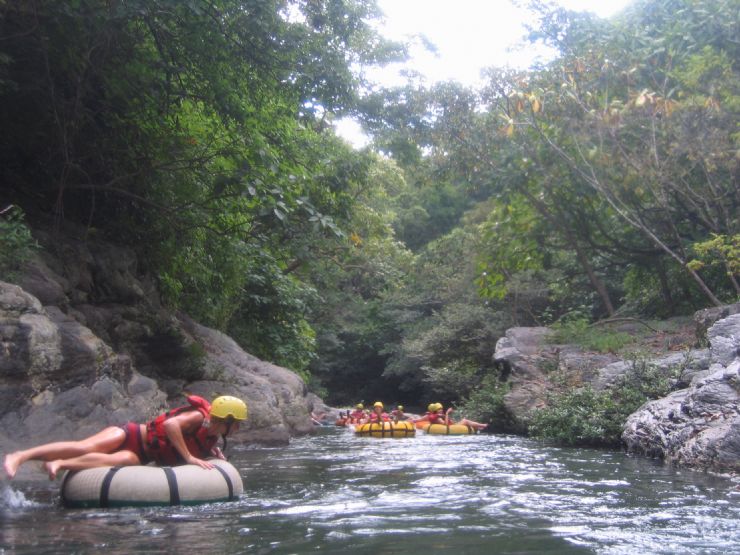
column 11, row 464
column 52, row 467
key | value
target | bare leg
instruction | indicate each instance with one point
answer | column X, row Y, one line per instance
column 91, row 460
column 476, row 425
column 105, row 441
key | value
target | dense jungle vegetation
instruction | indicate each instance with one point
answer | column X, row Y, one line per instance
column 199, row 132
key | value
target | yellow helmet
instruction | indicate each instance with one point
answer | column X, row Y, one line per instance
column 432, row 407
column 378, row 404
column 438, row 406
column 400, row 407
column 359, row 406
column 226, row 405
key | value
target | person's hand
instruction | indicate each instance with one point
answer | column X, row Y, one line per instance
column 200, row 462
column 219, row 454
column 449, row 410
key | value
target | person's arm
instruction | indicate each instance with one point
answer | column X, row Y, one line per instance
column 447, row 416
column 176, row 427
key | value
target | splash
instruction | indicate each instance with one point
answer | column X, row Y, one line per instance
column 12, row 499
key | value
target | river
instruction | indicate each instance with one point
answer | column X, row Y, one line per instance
column 337, row 493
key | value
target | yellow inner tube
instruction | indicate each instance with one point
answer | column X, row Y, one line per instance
column 386, row 429
column 451, row 430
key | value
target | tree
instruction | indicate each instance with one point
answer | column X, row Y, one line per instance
column 197, row 132
column 636, row 110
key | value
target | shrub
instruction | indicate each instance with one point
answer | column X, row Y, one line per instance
column 581, row 417
column 588, row 417
column 16, row 242
column 579, row 332
column 486, row 403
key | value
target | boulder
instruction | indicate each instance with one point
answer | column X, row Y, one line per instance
column 520, row 355
column 691, row 364
column 277, row 398
column 697, row 427
column 704, row 319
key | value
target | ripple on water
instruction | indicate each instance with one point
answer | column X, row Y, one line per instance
column 437, row 481
column 337, row 493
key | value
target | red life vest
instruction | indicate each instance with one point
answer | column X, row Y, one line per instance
column 199, row 443
column 434, row 418
column 374, row 417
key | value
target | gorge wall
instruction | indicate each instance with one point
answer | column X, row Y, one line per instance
column 85, row 343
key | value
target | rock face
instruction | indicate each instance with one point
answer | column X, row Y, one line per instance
column 519, row 353
column 704, row 319
column 697, row 427
column 527, row 360
column 84, row 343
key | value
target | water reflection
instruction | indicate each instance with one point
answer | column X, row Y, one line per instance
column 336, row 493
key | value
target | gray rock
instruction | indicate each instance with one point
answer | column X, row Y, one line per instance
column 43, row 283
column 704, row 319
column 141, row 385
column 14, row 301
column 686, row 365
column 277, row 398
column 88, row 345
column 724, row 337
column 587, row 368
column 697, row 427
column 519, row 353
column 527, row 359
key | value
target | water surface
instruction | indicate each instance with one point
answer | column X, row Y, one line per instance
column 337, row 493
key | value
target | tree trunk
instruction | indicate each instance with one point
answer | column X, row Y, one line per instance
column 665, row 289
column 596, row 282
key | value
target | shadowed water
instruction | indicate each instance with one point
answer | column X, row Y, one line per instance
column 336, row 493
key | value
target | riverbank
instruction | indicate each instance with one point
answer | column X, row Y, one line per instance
column 693, row 365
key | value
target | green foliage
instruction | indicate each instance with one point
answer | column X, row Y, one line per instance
column 579, row 417
column 199, row 133
column 486, row 402
column 657, row 290
column 513, row 236
column 577, row 330
column 196, row 132
column 722, row 252
column 269, row 320
column 16, row 242
column 447, row 333
column 587, row 417
column 625, row 144
column 451, row 379
column 428, row 213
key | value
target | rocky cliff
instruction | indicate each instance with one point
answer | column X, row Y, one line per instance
column 696, row 426
column 85, row 343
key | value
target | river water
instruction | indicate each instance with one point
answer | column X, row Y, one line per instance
column 337, row 493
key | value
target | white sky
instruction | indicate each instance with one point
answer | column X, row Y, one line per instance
column 469, row 35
